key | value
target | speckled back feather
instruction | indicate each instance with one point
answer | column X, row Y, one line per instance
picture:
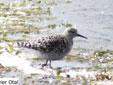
column 46, row 44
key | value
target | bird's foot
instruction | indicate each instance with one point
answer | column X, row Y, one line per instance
column 49, row 65
column 43, row 65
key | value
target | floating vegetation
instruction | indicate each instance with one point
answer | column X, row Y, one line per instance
column 66, row 25
column 7, row 69
column 18, row 52
column 11, row 48
column 1, row 66
column 17, row 17
column 58, row 72
column 1, row 4
column 75, row 57
column 39, row 1
column 51, row 26
column 27, row 16
column 101, row 52
column 103, row 76
column 51, row 2
column 68, row 1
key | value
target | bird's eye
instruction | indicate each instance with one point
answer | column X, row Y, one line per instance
column 72, row 32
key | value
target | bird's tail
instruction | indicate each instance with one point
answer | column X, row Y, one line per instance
column 22, row 44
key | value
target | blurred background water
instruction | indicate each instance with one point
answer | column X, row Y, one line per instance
column 23, row 19
column 93, row 19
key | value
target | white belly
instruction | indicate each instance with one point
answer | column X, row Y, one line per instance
column 54, row 55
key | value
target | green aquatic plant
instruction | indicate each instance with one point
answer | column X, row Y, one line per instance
column 101, row 52
column 68, row 1
column 66, row 24
column 51, row 25
column 1, row 4
column 18, row 52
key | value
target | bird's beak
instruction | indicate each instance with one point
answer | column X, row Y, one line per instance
column 81, row 36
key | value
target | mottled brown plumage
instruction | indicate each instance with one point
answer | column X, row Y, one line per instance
column 53, row 47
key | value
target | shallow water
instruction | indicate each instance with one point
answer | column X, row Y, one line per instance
column 65, row 64
column 92, row 19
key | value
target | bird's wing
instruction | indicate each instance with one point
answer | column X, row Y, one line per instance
column 44, row 44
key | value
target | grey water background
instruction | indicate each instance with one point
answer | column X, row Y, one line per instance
column 92, row 18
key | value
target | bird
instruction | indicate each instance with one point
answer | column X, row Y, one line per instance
column 52, row 47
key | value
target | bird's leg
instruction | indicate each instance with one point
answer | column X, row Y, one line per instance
column 50, row 64
column 45, row 64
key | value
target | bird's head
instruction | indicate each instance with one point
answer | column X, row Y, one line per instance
column 72, row 32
